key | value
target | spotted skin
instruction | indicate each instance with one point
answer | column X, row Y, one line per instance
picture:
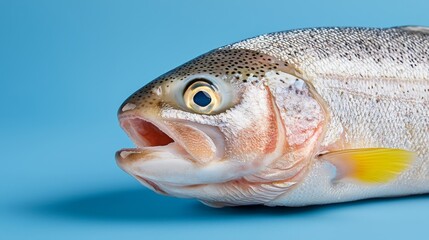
column 376, row 84
column 236, row 66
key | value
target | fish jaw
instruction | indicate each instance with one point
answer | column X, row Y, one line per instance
column 165, row 149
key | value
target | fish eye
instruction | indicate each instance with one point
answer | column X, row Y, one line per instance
column 201, row 96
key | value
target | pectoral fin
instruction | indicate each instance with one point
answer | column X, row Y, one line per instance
column 369, row 165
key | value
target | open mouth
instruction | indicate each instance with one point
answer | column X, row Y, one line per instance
column 162, row 144
column 192, row 141
column 144, row 133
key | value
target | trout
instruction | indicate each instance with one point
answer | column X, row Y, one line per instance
column 294, row 118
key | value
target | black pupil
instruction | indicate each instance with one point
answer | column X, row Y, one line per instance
column 202, row 99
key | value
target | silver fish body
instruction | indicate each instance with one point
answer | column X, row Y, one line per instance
column 314, row 91
column 376, row 84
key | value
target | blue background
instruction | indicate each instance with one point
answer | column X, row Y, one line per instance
column 66, row 66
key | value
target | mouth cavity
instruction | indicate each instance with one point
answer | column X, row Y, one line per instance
column 144, row 133
column 194, row 142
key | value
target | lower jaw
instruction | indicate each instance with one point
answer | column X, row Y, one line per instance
column 150, row 185
column 172, row 147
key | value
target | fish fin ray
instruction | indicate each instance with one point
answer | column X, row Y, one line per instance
column 369, row 165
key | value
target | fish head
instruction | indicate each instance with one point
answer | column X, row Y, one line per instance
column 209, row 123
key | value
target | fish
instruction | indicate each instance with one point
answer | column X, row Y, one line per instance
column 301, row 117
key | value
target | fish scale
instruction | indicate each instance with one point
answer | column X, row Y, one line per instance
column 397, row 53
column 363, row 74
column 376, row 84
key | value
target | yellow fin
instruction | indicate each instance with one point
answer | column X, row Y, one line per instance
column 370, row 165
